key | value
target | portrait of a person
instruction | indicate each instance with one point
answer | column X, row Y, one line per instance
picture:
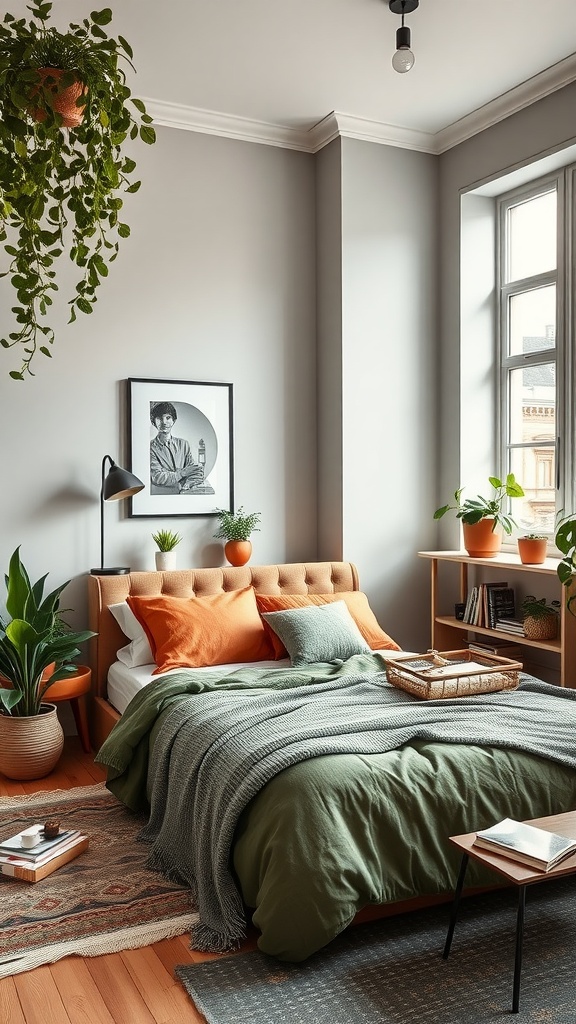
column 173, row 470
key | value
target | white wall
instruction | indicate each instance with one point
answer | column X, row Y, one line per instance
column 216, row 282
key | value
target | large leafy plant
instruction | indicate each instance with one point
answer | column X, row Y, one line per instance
column 34, row 637
column 61, row 188
column 566, row 543
column 472, row 510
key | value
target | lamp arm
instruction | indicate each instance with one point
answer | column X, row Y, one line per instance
column 111, row 461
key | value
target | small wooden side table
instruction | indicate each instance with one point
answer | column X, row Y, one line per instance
column 518, row 874
column 75, row 689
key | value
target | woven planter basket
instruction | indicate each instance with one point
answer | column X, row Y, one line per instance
column 544, row 628
column 30, row 747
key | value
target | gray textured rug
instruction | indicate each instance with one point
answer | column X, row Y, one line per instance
column 392, row 971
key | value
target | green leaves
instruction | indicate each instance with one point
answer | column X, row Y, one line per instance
column 472, row 510
column 61, row 189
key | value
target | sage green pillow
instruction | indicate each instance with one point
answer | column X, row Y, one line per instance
column 325, row 632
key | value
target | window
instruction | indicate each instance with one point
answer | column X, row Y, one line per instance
column 535, row 339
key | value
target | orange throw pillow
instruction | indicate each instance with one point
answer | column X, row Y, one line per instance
column 358, row 607
column 196, row 632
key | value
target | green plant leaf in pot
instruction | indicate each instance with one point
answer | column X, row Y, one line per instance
column 61, row 188
column 565, row 541
column 35, row 637
column 237, row 525
column 472, row 510
column 166, row 540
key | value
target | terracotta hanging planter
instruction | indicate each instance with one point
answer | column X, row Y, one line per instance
column 238, row 551
column 532, row 550
column 61, row 99
column 480, row 540
column 30, row 747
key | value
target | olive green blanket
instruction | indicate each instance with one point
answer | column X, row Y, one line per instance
column 331, row 794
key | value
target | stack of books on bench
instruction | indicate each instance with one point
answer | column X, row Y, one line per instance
column 29, row 859
column 527, row 844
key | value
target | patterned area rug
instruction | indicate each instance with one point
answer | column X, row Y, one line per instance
column 103, row 901
column 392, row 971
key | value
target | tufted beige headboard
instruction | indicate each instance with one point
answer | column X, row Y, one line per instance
column 292, row 578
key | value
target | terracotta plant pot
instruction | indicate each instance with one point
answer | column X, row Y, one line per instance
column 543, row 628
column 63, row 101
column 238, row 551
column 480, row 540
column 30, row 747
column 532, row 550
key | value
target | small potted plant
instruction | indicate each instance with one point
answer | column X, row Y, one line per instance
column 37, row 648
column 166, row 541
column 532, row 548
column 63, row 170
column 484, row 519
column 540, row 618
column 236, row 528
column 566, row 543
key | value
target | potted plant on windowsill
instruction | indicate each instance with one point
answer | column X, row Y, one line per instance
column 61, row 186
column 532, row 548
column 484, row 519
column 236, row 528
column 37, row 649
column 540, row 618
column 565, row 540
column 166, row 541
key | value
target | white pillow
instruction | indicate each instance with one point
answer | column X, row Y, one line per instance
column 138, row 652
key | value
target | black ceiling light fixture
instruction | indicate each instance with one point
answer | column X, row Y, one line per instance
column 403, row 59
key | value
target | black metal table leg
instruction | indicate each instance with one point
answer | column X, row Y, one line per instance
column 518, row 956
column 455, row 905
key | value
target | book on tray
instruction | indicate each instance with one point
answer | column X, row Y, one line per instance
column 15, row 844
column 28, row 870
column 525, row 843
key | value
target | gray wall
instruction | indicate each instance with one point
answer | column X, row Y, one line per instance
column 216, row 282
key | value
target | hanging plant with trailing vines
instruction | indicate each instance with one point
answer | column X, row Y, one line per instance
column 61, row 188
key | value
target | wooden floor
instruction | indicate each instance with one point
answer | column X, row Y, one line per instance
column 133, row 987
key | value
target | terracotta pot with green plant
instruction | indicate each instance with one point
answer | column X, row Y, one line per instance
column 532, row 549
column 540, row 618
column 565, row 540
column 166, row 541
column 485, row 519
column 33, row 640
column 236, row 528
column 61, row 186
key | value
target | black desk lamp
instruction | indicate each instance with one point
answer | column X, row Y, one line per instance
column 117, row 483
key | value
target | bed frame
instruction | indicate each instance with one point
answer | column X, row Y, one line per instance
column 292, row 578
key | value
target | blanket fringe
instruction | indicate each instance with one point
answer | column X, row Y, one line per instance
column 207, row 940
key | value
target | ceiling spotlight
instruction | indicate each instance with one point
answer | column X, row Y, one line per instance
column 403, row 59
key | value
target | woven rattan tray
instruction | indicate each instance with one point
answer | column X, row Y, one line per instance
column 440, row 674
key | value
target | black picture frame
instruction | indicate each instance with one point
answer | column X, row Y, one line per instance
column 201, row 436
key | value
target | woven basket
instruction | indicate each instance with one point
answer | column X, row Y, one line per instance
column 435, row 675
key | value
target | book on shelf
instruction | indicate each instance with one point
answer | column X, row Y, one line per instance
column 501, row 603
column 502, row 648
column 13, row 845
column 29, row 871
column 525, row 843
column 515, row 626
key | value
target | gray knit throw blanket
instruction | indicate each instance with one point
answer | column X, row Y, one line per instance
column 215, row 751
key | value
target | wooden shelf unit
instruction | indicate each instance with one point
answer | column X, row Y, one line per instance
column 446, row 631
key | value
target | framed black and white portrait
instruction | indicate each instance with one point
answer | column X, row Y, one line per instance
column 181, row 446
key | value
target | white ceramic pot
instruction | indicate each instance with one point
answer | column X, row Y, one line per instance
column 165, row 560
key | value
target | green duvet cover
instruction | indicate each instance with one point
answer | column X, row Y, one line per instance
column 330, row 834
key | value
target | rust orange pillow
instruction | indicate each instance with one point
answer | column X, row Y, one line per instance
column 195, row 632
column 358, row 607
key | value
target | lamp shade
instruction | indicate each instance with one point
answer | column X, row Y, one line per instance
column 116, row 483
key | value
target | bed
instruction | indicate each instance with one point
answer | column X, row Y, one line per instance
column 349, row 812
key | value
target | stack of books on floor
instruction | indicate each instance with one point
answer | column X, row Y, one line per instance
column 535, row 847
column 30, row 863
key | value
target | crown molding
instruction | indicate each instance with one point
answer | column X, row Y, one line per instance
column 335, row 124
column 537, row 88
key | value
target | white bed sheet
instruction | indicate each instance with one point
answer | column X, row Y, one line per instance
column 124, row 683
